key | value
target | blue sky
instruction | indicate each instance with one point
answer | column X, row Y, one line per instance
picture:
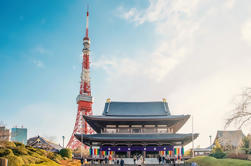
column 194, row 53
column 40, row 48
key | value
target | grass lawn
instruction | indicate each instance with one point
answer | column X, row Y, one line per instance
column 211, row 161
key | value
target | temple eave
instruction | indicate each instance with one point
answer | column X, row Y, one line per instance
column 136, row 138
column 99, row 122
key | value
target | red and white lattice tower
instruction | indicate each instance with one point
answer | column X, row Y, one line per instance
column 84, row 99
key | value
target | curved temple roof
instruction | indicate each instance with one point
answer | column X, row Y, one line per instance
column 136, row 138
column 136, row 109
column 99, row 122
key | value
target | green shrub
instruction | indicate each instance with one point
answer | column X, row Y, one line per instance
column 66, row 153
column 41, row 152
column 217, row 151
column 28, row 159
column 19, row 150
column 7, row 144
column 218, row 155
column 5, row 152
column 19, row 144
column 15, row 161
column 20, row 155
column 55, row 157
column 31, row 148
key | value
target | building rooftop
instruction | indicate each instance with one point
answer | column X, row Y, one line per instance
column 229, row 138
column 41, row 140
column 158, row 108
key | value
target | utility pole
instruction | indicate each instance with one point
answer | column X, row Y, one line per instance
column 192, row 140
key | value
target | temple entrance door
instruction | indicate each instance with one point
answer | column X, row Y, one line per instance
column 136, row 153
column 121, row 154
column 152, row 154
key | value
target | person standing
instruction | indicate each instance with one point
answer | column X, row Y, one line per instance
column 106, row 160
column 110, row 159
column 160, row 158
column 163, row 160
column 117, row 161
column 134, row 159
column 82, row 161
column 122, row 162
column 141, row 160
column 168, row 159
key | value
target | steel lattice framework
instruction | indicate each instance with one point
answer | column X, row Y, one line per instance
column 84, row 99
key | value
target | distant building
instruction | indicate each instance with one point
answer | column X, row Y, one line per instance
column 19, row 135
column 202, row 151
column 42, row 143
column 4, row 134
column 229, row 140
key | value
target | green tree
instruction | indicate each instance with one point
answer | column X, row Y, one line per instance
column 65, row 152
column 245, row 144
column 188, row 152
column 217, row 147
column 217, row 151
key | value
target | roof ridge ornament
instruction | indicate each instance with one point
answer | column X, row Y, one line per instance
column 164, row 102
column 108, row 100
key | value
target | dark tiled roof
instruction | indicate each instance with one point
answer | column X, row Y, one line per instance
column 34, row 140
column 99, row 122
column 136, row 109
column 185, row 138
column 138, row 118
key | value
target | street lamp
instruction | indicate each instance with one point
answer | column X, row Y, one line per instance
column 210, row 137
column 63, row 140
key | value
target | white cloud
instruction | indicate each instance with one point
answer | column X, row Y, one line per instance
column 230, row 3
column 41, row 50
column 38, row 63
column 197, row 62
column 246, row 31
column 171, row 51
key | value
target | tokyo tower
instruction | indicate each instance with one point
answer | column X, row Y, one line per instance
column 84, row 99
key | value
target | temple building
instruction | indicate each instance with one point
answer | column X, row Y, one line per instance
column 230, row 140
column 42, row 143
column 126, row 129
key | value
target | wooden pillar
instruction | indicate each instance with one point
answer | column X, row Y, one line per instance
column 144, row 151
column 129, row 152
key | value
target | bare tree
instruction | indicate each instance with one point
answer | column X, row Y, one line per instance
column 241, row 114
